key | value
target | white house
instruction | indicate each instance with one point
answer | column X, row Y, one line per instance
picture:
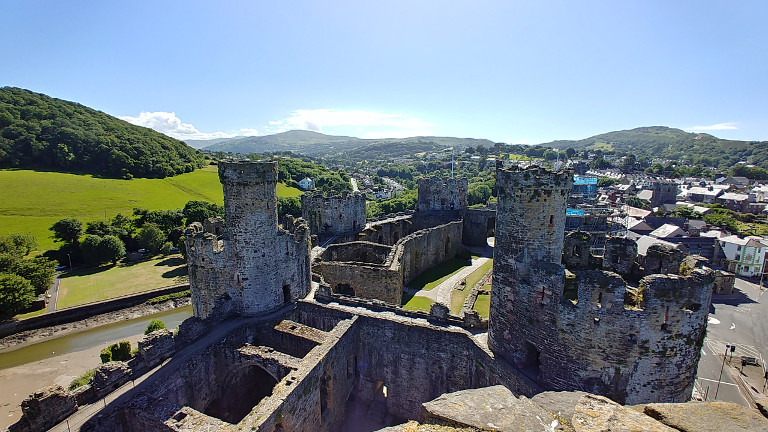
column 307, row 183
column 745, row 255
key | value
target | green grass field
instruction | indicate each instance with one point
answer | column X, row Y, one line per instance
column 434, row 276
column 87, row 286
column 458, row 297
column 483, row 302
column 415, row 302
column 34, row 200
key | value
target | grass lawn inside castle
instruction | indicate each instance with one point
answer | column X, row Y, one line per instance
column 106, row 282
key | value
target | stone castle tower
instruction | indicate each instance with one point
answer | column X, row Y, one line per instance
column 442, row 194
column 589, row 332
column 333, row 214
column 255, row 266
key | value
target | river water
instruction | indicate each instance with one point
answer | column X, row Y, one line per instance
column 90, row 338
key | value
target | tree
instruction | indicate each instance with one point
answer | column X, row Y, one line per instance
column 18, row 244
column 39, row 271
column 165, row 249
column 570, row 152
column 478, row 193
column 89, row 248
column 288, row 205
column 151, row 237
column 154, row 325
column 111, row 249
column 16, row 294
column 198, row 211
column 67, row 230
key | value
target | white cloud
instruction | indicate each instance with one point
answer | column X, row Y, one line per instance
column 248, row 132
column 169, row 124
column 366, row 124
column 714, row 127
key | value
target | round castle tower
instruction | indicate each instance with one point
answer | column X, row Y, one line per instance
column 530, row 225
column 268, row 266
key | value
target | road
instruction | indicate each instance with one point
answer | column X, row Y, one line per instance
column 739, row 319
column 53, row 294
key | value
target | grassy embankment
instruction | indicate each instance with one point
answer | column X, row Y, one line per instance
column 431, row 278
column 34, row 200
column 106, row 282
column 458, row 297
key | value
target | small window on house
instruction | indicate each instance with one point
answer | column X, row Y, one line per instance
column 738, row 248
column 738, row 257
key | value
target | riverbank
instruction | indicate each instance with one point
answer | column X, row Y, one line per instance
column 29, row 337
column 21, row 381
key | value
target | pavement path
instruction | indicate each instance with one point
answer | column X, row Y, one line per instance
column 53, row 295
column 442, row 292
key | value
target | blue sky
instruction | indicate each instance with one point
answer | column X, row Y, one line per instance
column 516, row 72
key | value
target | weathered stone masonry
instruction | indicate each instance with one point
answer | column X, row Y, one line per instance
column 255, row 266
column 591, row 333
column 333, row 214
column 442, row 194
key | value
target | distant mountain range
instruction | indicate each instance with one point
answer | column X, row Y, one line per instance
column 675, row 144
column 321, row 145
column 644, row 142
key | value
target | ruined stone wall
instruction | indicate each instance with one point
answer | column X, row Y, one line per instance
column 386, row 233
column 333, row 214
column 364, row 252
column 442, row 194
column 257, row 266
column 382, row 282
column 645, row 350
column 479, row 224
column 428, row 248
column 207, row 267
column 428, row 362
column 363, row 273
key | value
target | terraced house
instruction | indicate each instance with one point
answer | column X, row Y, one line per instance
column 743, row 256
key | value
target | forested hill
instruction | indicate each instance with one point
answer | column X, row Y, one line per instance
column 675, row 144
column 321, row 145
column 41, row 132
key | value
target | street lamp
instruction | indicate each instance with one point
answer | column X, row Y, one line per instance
column 69, row 255
column 731, row 348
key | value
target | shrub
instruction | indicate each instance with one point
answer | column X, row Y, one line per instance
column 123, row 352
column 106, row 355
column 82, row 379
column 120, row 351
column 165, row 249
column 154, row 325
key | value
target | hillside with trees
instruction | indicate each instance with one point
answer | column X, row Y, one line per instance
column 358, row 149
column 674, row 144
column 44, row 133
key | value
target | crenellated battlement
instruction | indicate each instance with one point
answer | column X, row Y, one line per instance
column 201, row 244
column 587, row 328
column 251, row 265
column 442, row 194
column 247, row 172
column 333, row 214
column 533, row 177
